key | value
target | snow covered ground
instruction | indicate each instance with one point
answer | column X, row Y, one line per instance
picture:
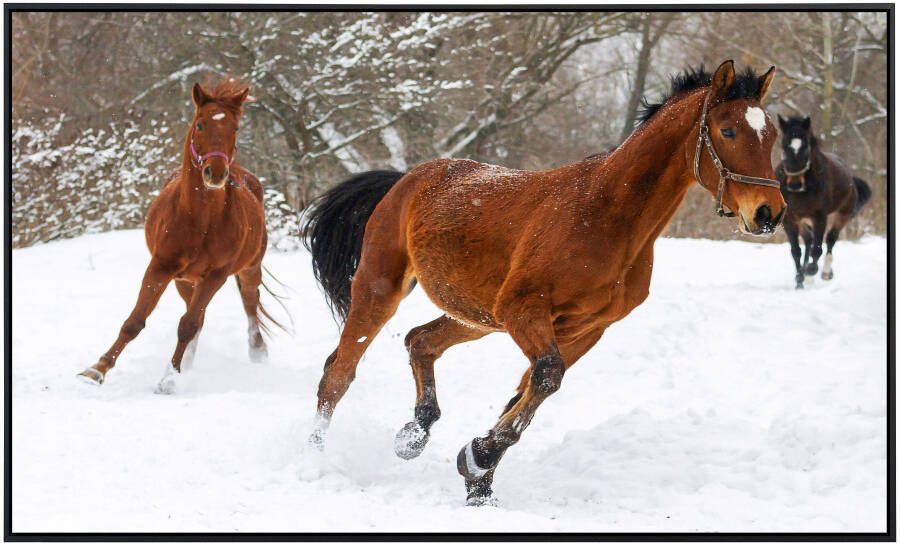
column 728, row 401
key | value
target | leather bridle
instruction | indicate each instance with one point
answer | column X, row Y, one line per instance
column 724, row 173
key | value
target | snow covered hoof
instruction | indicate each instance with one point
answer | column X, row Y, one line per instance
column 827, row 275
column 91, row 376
column 478, row 491
column 478, row 479
column 410, row 441
column 316, row 440
column 477, row 500
column 168, row 385
column 259, row 355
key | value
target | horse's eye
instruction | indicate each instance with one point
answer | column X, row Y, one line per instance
column 199, row 126
column 727, row 132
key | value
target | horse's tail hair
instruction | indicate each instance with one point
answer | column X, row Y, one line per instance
column 333, row 229
column 263, row 317
column 863, row 194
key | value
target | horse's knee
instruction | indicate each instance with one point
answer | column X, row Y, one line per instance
column 547, row 374
column 132, row 327
column 188, row 327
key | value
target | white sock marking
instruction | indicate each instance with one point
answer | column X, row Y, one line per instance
column 756, row 118
column 473, row 468
column 826, row 269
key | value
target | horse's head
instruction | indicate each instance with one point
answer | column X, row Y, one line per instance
column 796, row 148
column 741, row 135
column 214, row 130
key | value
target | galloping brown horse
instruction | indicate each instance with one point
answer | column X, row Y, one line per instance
column 822, row 195
column 206, row 224
column 552, row 258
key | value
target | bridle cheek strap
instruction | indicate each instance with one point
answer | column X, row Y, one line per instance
column 724, row 173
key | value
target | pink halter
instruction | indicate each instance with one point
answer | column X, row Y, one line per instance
column 199, row 159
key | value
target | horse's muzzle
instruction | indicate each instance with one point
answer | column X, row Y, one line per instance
column 795, row 184
column 765, row 222
column 210, row 179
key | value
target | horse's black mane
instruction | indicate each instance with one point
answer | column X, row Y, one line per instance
column 746, row 85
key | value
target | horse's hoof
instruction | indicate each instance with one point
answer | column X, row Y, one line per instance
column 478, row 501
column 317, row 441
column 91, row 376
column 259, row 355
column 467, row 466
column 166, row 386
column 812, row 268
column 827, row 275
column 410, row 441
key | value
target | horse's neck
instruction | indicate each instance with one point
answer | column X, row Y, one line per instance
column 643, row 183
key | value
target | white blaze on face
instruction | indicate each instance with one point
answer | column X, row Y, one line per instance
column 796, row 144
column 756, row 118
column 218, row 116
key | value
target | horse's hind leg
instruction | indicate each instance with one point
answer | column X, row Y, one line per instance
column 426, row 344
column 379, row 284
column 831, row 238
column 154, row 283
column 248, row 282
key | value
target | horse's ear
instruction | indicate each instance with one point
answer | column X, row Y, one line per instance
column 782, row 123
column 238, row 99
column 722, row 80
column 806, row 122
column 764, row 83
column 199, row 95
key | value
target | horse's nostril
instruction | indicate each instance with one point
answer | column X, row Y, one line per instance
column 763, row 215
column 207, row 172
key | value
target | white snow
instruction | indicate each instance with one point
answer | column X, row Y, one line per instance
column 756, row 118
column 727, row 402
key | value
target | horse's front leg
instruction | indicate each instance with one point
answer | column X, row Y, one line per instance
column 818, row 235
column 528, row 322
column 190, row 324
column 156, row 279
column 793, row 233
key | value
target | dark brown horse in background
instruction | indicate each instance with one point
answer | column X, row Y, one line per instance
column 821, row 193
column 206, row 224
column 552, row 258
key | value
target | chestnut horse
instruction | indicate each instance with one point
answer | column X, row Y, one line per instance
column 206, row 224
column 552, row 258
column 821, row 193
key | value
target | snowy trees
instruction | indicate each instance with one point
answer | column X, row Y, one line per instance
column 338, row 93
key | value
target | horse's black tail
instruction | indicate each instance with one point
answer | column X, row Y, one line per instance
column 333, row 229
column 863, row 194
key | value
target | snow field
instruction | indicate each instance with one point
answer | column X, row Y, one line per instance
column 727, row 402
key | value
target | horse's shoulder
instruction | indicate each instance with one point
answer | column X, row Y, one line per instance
column 244, row 178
